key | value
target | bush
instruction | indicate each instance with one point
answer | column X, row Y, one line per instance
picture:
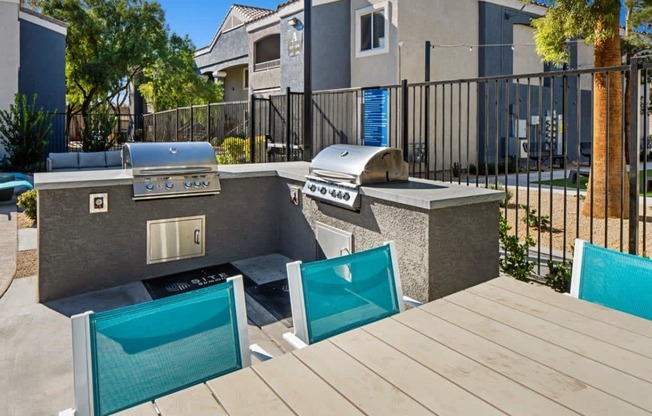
column 238, row 150
column 515, row 262
column 27, row 201
column 533, row 220
column 559, row 276
column 24, row 132
column 97, row 133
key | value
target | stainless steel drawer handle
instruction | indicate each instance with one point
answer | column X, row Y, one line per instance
column 197, row 236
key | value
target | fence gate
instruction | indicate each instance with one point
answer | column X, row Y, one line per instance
column 277, row 126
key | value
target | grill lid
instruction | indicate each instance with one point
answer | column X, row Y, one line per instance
column 169, row 158
column 360, row 165
column 168, row 170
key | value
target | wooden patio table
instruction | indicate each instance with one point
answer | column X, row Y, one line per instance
column 502, row 347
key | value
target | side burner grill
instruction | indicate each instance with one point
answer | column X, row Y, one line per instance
column 337, row 172
column 172, row 169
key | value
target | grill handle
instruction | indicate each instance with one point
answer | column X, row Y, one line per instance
column 174, row 171
column 197, row 237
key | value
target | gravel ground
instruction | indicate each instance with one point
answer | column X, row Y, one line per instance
column 26, row 261
column 24, row 221
column 587, row 228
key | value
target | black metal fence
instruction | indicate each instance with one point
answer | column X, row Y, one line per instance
column 541, row 136
column 69, row 132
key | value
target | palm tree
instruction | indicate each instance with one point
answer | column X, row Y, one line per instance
column 596, row 22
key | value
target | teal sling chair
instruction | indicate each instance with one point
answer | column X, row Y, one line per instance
column 613, row 279
column 132, row 355
column 332, row 296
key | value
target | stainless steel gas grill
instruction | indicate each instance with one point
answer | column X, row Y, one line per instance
column 337, row 172
column 167, row 170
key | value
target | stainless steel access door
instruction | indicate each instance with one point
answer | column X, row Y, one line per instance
column 175, row 239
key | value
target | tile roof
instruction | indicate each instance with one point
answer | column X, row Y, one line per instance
column 251, row 12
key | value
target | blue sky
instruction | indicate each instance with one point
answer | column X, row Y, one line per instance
column 199, row 19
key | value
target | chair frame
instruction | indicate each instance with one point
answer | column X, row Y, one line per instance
column 81, row 349
column 299, row 339
column 576, row 275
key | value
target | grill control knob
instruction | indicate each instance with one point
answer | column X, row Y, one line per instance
column 323, row 190
column 313, row 188
column 187, row 184
column 339, row 194
column 346, row 196
column 149, row 186
column 169, row 184
column 333, row 193
column 197, row 183
column 205, row 182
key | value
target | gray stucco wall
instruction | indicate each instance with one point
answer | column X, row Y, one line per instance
column 230, row 46
column 234, row 84
column 440, row 251
column 464, row 249
column 331, row 60
column 42, row 71
column 80, row 252
column 265, row 79
column 496, row 27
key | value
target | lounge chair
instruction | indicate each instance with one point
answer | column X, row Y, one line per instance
column 613, row 279
column 135, row 354
column 332, row 296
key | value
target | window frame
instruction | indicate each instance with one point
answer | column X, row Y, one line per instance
column 379, row 7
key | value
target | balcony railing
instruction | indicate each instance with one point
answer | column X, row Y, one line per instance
column 264, row 66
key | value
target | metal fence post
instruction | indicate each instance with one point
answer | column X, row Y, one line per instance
column 252, row 128
column 288, row 127
column 405, row 119
column 176, row 134
column 192, row 125
column 208, row 122
column 633, row 154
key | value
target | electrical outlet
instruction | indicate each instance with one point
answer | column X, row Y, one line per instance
column 98, row 203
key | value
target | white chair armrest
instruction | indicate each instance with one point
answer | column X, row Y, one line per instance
column 259, row 352
column 294, row 341
column 412, row 302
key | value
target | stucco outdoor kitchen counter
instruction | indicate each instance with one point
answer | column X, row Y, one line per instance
column 418, row 193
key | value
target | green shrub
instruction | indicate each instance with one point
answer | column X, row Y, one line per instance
column 24, row 132
column 27, row 201
column 533, row 220
column 97, row 133
column 456, row 170
column 238, row 150
column 559, row 276
column 515, row 262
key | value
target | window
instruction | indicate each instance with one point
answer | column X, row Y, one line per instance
column 245, row 78
column 372, row 27
column 267, row 53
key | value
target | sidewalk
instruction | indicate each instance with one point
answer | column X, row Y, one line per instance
column 8, row 243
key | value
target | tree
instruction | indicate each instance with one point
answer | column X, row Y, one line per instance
column 24, row 132
column 597, row 23
column 108, row 43
column 173, row 81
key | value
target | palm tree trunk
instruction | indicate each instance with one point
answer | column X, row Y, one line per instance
column 608, row 185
